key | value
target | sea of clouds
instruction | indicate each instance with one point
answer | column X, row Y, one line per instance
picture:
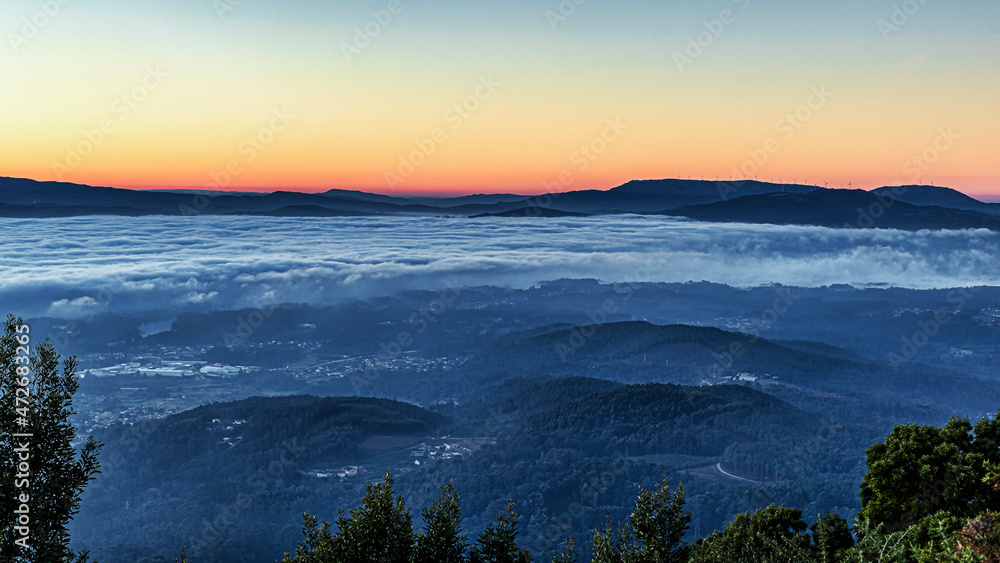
column 70, row 268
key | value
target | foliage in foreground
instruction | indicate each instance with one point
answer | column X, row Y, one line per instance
column 931, row 494
column 42, row 475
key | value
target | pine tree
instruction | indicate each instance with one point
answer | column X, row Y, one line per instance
column 655, row 530
column 659, row 523
column 380, row 531
column 441, row 541
column 498, row 543
column 57, row 472
column 570, row 554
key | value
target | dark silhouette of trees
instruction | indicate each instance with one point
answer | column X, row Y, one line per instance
column 37, row 403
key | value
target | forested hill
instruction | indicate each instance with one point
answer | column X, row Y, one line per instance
column 530, row 440
column 670, row 419
column 648, row 351
column 254, row 430
column 641, row 352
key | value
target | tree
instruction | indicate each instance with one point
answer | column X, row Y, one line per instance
column 441, row 540
column 832, row 537
column 921, row 470
column 569, row 554
column 655, row 530
column 770, row 535
column 659, row 523
column 35, row 430
column 380, row 531
column 498, row 543
column 317, row 547
column 612, row 545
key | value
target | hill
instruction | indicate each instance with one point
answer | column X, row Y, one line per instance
column 178, row 481
column 528, row 212
column 919, row 207
column 640, row 352
column 937, row 196
column 166, row 483
column 839, row 209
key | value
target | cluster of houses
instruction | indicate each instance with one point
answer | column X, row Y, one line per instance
column 442, row 451
column 342, row 473
column 230, row 441
column 156, row 367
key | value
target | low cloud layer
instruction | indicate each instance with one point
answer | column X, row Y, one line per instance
column 76, row 267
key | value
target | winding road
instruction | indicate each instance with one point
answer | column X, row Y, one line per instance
column 723, row 471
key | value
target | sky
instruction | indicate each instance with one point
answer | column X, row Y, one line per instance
column 447, row 97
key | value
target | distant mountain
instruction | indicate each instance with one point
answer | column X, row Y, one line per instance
column 532, row 212
column 304, row 211
column 836, row 208
column 918, row 207
column 649, row 196
column 937, row 196
column 474, row 199
column 28, row 198
column 635, row 197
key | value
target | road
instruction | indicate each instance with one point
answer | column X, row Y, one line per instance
column 723, row 471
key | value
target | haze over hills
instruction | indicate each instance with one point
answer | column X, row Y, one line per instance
column 907, row 208
column 837, row 208
column 530, row 393
column 939, row 196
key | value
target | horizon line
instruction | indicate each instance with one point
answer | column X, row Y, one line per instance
column 993, row 197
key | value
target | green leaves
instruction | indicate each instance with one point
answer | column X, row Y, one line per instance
column 441, row 540
column 655, row 531
column 57, row 473
column 770, row 535
column 381, row 531
column 659, row 523
column 832, row 537
column 498, row 543
column 922, row 470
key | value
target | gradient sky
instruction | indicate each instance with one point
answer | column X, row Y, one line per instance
column 201, row 77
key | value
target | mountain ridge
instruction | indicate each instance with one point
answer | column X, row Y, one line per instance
column 904, row 207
